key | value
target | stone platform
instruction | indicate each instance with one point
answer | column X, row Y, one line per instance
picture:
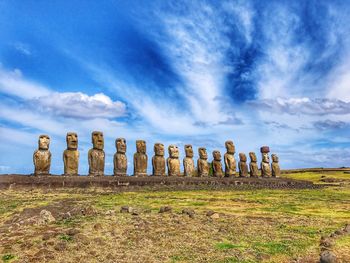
column 152, row 182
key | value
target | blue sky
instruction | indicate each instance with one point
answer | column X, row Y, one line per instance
column 271, row 73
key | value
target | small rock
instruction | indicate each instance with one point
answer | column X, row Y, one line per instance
column 135, row 212
column 88, row 211
column 347, row 228
column 328, row 257
column 60, row 246
column 326, row 242
column 73, row 232
column 45, row 217
column 210, row 213
column 189, row 212
column 125, row 209
column 97, row 226
column 215, row 216
column 110, row 213
column 338, row 232
column 164, row 209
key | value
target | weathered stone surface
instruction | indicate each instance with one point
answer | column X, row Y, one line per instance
column 42, row 156
column 328, row 257
column 253, row 165
column 217, row 165
column 173, row 161
column 96, row 155
column 229, row 158
column 275, row 166
column 45, row 217
column 164, row 209
column 158, row 160
column 242, row 165
column 120, row 160
column 71, row 154
column 202, row 163
column 140, row 159
column 190, row 212
column 265, row 164
column 188, row 162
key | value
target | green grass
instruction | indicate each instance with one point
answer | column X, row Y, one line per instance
column 7, row 257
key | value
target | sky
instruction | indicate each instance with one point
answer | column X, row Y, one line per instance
column 273, row 73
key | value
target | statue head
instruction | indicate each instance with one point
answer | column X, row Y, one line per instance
column 265, row 149
column 97, row 140
column 189, row 151
column 217, row 155
column 141, row 146
column 44, row 142
column 274, row 158
column 173, row 151
column 202, row 153
column 159, row 149
column 265, row 158
column 242, row 157
column 253, row 157
column 72, row 140
column 120, row 144
column 230, row 147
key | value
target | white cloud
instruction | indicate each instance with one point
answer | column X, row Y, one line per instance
column 65, row 104
column 79, row 105
column 304, row 105
column 22, row 48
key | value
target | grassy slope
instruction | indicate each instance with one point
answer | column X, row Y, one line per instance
column 254, row 226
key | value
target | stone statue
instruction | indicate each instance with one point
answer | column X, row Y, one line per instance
column 275, row 166
column 217, row 165
column 71, row 154
column 158, row 160
column 42, row 156
column 173, row 161
column 253, row 166
column 120, row 160
column 96, row 155
column 188, row 161
column 242, row 165
column 140, row 159
column 230, row 162
column 202, row 163
column 265, row 164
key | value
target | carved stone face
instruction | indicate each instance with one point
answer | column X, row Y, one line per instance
column 120, row 143
column 217, row 155
column 159, row 149
column 274, row 158
column 97, row 140
column 230, row 147
column 265, row 158
column 141, row 146
column 203, row 153
column 44, row 142
column 72, row 140
column 173, row 151
column 252, row 157
column 242, row 157
column 189, row 151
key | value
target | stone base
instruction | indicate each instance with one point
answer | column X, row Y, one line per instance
column 154, row 182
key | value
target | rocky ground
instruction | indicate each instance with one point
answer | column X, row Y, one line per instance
column 250, row 225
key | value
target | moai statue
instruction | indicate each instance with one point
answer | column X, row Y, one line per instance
column 253, row 166
column 242, row 165
column 71, row 154
column 140, row 159
column 188, row 161
column 275, row 166
column 158, row 160
column 173, row 161
column 265, row 164
column 42, row 156
column 120, row 160
column 230, row 162
column 96, row 155
column 202, row 163
column 217, row 165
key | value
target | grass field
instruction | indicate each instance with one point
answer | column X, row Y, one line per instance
column 250, row 225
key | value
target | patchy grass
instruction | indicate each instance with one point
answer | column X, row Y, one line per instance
column 253, row 225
